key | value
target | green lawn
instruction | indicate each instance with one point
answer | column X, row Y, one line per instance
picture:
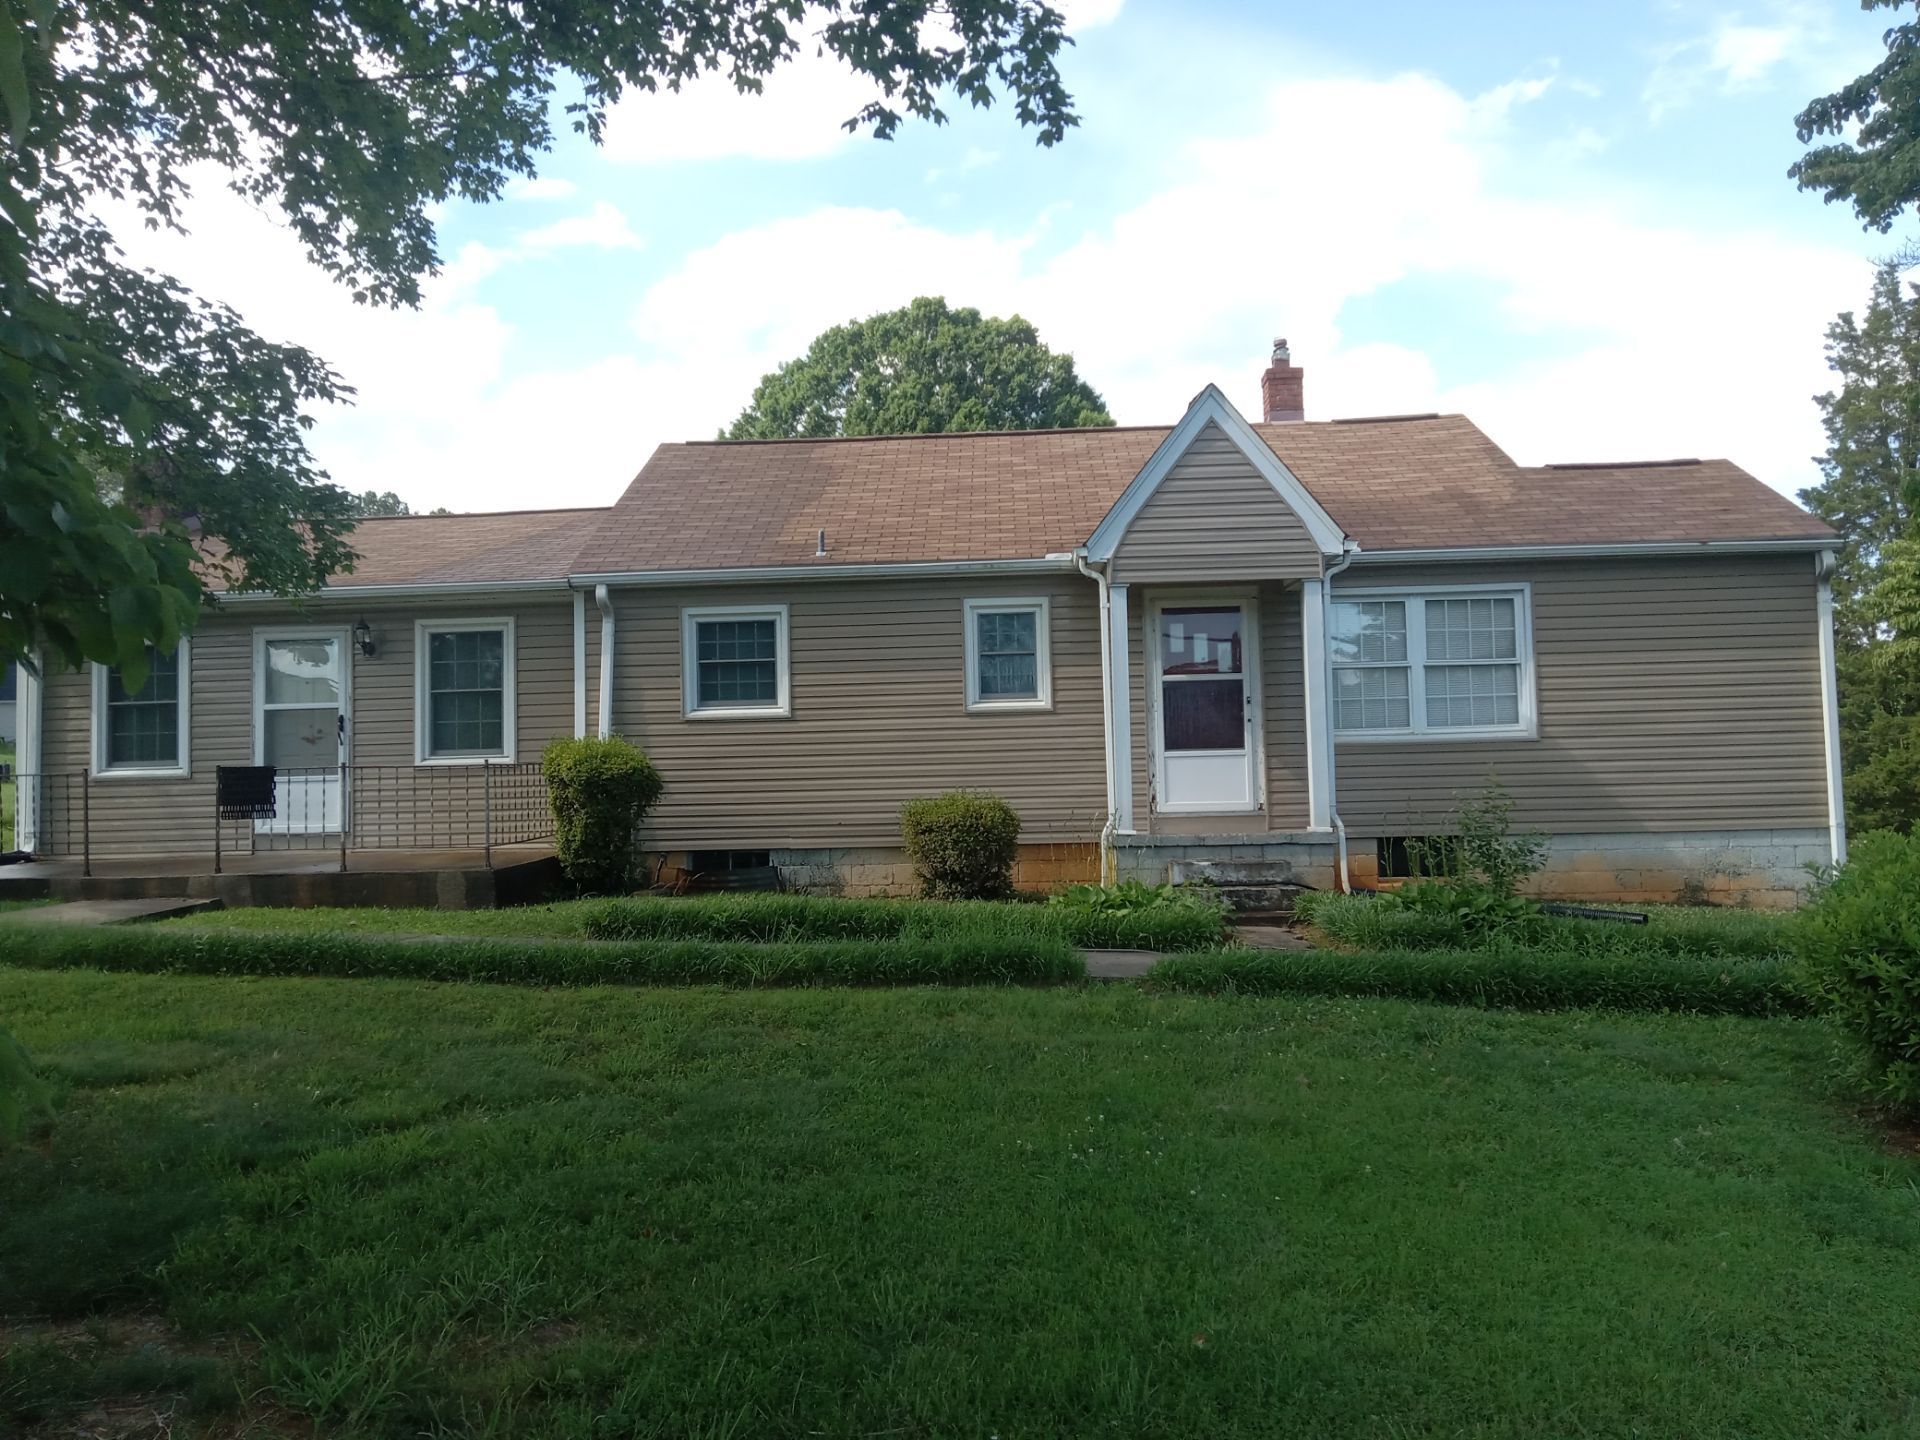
column 457, row 1210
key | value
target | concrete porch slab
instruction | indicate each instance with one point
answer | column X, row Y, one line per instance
column 107, row 912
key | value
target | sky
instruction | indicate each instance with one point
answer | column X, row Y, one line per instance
column 1570, row 222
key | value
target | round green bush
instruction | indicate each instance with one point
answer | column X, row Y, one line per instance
column 600, row 790
column 962, row 844
column 1859, row 949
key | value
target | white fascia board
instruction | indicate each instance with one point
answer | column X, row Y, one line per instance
column 1210, row 406
column 462, row 591
column 906, row 570
column 1626, row 550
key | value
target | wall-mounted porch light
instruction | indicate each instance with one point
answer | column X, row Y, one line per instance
column 363, row 639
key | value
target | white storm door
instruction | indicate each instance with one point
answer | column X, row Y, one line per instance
column 1205, row 750
column 300, row 726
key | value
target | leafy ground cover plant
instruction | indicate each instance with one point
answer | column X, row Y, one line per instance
column 1136, row 897
column 1859, row 949
column 962, row 844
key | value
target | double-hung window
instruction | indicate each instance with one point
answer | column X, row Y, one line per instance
column 1447, row 662
column 142, row 729
column 734, row 661
column 463, row 691
column 1009, row 666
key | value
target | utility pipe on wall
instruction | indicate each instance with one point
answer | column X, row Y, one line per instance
column 1108, row 869
column 604, row 603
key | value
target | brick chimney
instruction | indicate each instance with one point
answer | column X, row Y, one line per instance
column 1283, row 389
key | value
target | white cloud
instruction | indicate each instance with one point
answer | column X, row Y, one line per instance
column 1088, row 14
column 799, row 115
column 540, row 187
column 1735, row 53
column 602, row 228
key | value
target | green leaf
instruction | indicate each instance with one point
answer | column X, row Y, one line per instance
column 13, row 74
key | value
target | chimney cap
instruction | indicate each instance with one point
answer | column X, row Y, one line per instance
column 1281, row 356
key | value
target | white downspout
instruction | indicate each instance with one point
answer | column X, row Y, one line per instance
column 1326, row 686
column 1099, row 578
column 579, row 664
column 28, row 785
column 604, row 603
column 1823, row 566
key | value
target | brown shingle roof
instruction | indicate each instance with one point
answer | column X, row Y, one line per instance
column 1418, row 482
column 468, row 549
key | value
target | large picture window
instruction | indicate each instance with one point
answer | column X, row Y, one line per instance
column 1449, row 662
column 1009, row 666
column 464, row 691
column 142, row 729
column 734, row 661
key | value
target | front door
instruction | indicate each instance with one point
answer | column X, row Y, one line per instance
column 300, row 725
column 1205, row 751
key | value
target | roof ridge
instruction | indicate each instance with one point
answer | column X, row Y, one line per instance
column 472, row 514
column 1618, row 464
column 920, row 435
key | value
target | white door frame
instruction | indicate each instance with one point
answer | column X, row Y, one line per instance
column 1248, row 600
column 282, row 824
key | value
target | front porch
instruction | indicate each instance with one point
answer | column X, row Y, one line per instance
column 446, row 879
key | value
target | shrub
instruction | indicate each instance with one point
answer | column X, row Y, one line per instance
column 1496, row 979
column 962, row 844
column 600, row 791
column 1486, row 851
column 960, row 959
column 1859, row 948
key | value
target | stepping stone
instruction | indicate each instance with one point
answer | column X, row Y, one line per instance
column 107, row 912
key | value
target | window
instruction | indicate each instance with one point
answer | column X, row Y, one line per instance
column 142, row 731
column 463, row 691
column 1008, row 664
column 1452, row 662
column 734, row 661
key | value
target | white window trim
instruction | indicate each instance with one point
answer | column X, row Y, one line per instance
column 423, row 631
column 1520, row 593
column 690, row 706
column 97, row 748
column 1042, row 610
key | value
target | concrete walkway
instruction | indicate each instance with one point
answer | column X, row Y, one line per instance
column 107, row 912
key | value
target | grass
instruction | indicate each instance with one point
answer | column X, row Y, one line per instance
column 958, row 958
column 755, row 919
column 442, row 1210
column 7, row 787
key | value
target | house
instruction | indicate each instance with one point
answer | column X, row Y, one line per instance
column 1284, row 646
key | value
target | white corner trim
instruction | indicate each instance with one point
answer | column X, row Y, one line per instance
column 1210, row 406
column 1528, row 727
column 28, row 785
column 690, row 706
column 1830, row 701
column 603, row 602
column 579, row 664
column 423, row 632
column 1042, row 609
column 183, row 719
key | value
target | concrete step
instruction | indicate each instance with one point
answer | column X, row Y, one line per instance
column 1262, row 900
column 108, row 912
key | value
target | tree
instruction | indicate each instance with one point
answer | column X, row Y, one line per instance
column 149, row 440
column 370, row 504
column 1870, row 492
column 920, row 370
column 1876, row 171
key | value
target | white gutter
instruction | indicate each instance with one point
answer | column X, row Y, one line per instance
column 604, row 603
column 1347, row 557
column 1823, row 567
column 579, row 664
column 1581, row 552
column 463, row 590
column 1044, row 565
column 1108, row 867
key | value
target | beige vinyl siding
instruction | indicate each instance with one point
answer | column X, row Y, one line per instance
column 1673, row 694
column 1283, row 699
column 399, row 802
column 878, row 693
column 1214, row 518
